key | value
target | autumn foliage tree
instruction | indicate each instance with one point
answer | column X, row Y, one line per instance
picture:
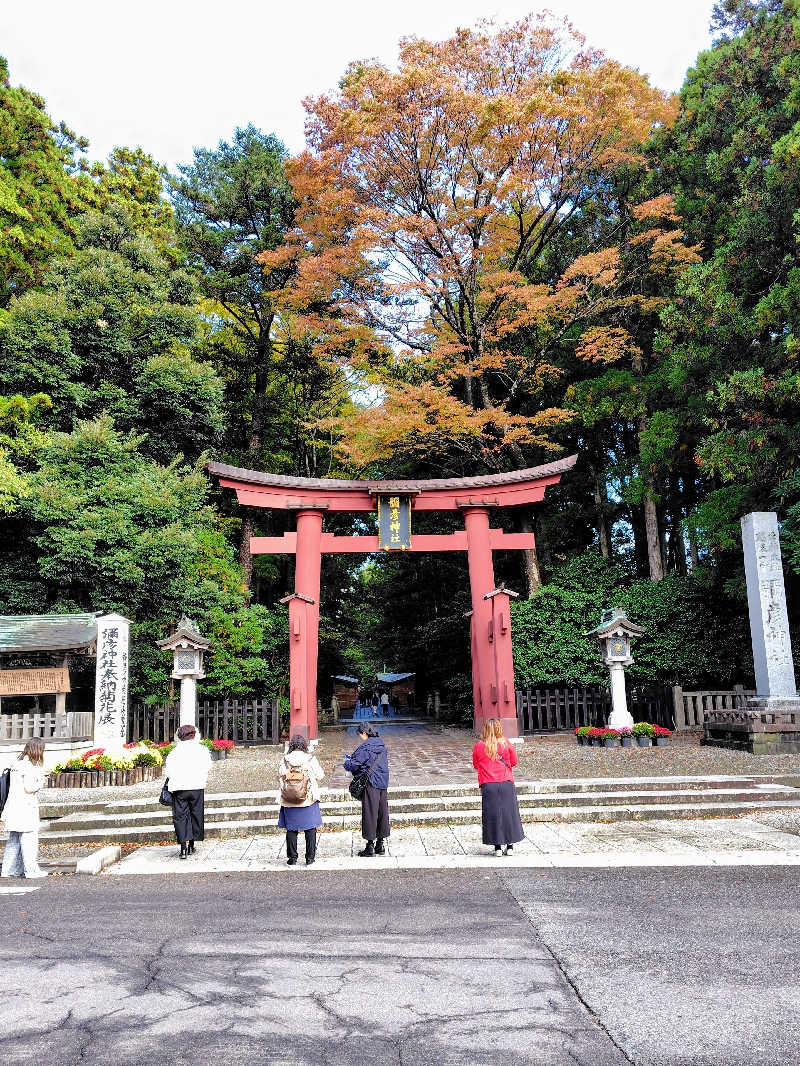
column 424, row 200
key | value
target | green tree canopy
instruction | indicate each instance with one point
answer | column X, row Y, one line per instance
column 112, row 328
column 41, row 189
column 105, row 528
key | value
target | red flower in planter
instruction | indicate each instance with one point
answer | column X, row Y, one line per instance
column 660, row 731
column 222, row 745
column 87, row 755
column 595, row 733
column 608, row 734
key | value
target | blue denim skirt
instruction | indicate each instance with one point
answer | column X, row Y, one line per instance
column 296, row 819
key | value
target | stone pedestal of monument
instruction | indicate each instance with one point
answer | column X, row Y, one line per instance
column 770, row 722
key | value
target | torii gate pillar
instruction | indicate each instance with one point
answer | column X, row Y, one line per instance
column 304, row 626
column 490, row 630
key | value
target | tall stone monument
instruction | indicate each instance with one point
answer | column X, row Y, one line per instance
column 771, row 721
column 766, row 600
column 111, row 681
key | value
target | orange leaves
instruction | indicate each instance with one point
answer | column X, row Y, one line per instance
column 660, row 207
column 594, row 268
column 607, row 344
column 428, row 423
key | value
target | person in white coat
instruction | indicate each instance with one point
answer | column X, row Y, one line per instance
column 299, row 775
column 21, row 813
column 186, row 770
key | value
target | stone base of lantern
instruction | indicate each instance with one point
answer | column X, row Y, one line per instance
column 763, row 727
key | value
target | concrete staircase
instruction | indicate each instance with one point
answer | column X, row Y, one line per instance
column 142, row 819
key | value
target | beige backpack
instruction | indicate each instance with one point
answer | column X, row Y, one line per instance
column 295, row 786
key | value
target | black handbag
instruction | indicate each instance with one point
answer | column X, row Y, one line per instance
column 358, row 786
column 166, row 796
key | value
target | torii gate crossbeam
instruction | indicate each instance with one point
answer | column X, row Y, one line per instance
column 312, row 498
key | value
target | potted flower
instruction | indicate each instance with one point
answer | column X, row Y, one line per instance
column 610, row 738
column 582, row 735
column 626, row 736
column 643, row 732
column 595, row 736
column 219, row 748
column 661, row 735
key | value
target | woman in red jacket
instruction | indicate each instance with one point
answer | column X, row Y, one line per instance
column 494, row 758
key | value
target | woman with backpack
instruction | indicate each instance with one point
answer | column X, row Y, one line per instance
column 300, row 774
column 21, row 813
column 494, row 759
column 370, row 760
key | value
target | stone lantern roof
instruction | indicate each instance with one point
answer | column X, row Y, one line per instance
column 614, row 621
column 187, row 635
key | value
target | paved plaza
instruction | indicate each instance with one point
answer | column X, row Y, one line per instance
column 771, row 839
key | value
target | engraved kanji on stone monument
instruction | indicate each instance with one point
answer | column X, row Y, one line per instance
column 766, row 600
column 111, row 682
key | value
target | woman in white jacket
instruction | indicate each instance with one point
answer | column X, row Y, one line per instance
column 186, row 770
column 21, row 813
column 300, row 774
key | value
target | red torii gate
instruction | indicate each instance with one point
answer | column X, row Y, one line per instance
column 475, row 497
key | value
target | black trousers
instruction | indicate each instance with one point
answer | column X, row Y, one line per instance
column 375, row 813
column 311, row 844
column 188, row 814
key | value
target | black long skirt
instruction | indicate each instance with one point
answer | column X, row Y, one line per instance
column 375, row 813
column 188, row 814
column 500, row 814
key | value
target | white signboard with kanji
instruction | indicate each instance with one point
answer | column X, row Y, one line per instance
column 111, row 685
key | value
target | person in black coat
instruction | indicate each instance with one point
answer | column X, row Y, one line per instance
column 371, row 756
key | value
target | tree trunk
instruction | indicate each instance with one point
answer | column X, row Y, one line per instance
column 530, row 561
column 651, row 530
column 677, row 533
column 635, row 516
column 543, row 544
column 655, row 557
column 600, row 503
column 690, row 498
column 245, row 554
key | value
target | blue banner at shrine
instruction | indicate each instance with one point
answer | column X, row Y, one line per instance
column 394, row 523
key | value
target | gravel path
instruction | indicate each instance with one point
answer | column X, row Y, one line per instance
column 423, row 755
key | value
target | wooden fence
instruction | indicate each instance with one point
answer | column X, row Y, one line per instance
column 245, row 721
column 554, row 709
column 562, row 708
column 18, row 726
column 690, row 707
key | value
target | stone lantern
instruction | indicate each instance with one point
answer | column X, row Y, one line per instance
column 187, row 647
column 615, row 634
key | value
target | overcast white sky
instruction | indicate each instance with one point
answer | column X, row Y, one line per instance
column 174, row 75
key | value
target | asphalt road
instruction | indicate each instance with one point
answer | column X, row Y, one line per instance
column 682, row 966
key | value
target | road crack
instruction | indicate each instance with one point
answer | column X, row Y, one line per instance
column 593, row 1014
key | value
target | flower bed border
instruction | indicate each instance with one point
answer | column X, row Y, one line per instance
column 101, row 778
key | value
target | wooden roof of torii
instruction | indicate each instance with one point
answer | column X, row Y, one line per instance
column 277, row 491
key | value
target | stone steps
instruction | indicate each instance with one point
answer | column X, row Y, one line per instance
column 141, row 818
column 233, row 810
column 84, row 799
column 598, row 813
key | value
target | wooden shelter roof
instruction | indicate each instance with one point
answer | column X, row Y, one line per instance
column 47, row 632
